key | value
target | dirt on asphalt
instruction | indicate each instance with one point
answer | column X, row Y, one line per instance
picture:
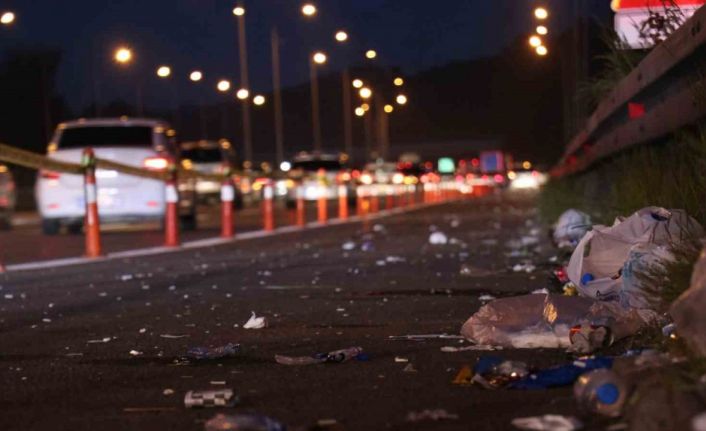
column 66, row 334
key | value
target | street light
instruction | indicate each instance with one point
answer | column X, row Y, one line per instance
column 242, row 94
column 357, row 83
column 259, row 100
column 319, row 57
column 398, row 82
column 359, row 111
column 542, row 30
column 223, row 85
column 542, row 50
column 164, row 71
column 123, row 55
column 389, row 108
column 239, row 11
column 341, row 36
column 401, row 99
column 371, row 54
column 365, row 93
column 309, row 9
column 196, row 76
column 541, row 13
column 535, row 41
column 7, row 18
column 365, row 107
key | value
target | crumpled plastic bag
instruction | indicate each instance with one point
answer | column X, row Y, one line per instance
column 642, row 258
column 571, row 226
column 548, row 423
column 545, row 321
column 688, row 310
column 596, row 263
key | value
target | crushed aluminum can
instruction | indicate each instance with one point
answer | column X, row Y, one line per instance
column 210, row 398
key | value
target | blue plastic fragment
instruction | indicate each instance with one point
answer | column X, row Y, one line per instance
column 561, row 375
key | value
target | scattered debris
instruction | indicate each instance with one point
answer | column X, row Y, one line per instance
column 348, row 245
column 524, row 267
column 473, row 348
column 570, row 228
column 430, row 415
column 438, row 238
column 168, row 392
column 102, row 340
column 200, row 353
column 210, row 398
column 172, row 337
column 409, row 368
column 400, row 359
column 336, row 356
column 486, row 298
column 245, row 422
column 425, row 337
column 255, row 322
column 135, row 353
column 548, row 423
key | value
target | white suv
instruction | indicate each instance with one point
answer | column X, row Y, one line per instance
column 136, row 142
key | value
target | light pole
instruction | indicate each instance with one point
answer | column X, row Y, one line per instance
column 318, row 58
column 164, row 72
column 123, row 56
column 196, row 76
column 277, row 90
column 223, row 86
column 239, row 12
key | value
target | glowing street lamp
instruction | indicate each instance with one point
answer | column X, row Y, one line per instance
column 398, row 82
column 242, row 94
column 541, row 13
column 389, row 108
column 309, row 9
column 371, row 54
column 365, row 107
column 357, row 83
column 319, row 57
column 123, row 55
column 196, row 76
column 259, row 100
column 239, row 11
column 401, row 99
column 359, row 111
column 365, row 93
column 542, row 50
column 223, row 85
column 7, row 18
column 542, row 30
column 164, row 71
column 341, row 36
column 535, row 41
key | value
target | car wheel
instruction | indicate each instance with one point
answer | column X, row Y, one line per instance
column 188, row 222
column 50, row 226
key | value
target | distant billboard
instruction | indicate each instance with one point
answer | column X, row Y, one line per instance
column 631, row 14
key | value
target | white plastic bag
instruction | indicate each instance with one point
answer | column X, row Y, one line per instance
column 571, row 227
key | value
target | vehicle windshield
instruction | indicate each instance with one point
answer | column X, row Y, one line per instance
column 315, row 165
column 203, row 155
column 106, row 136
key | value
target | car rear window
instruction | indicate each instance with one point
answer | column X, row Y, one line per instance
column 203, row 155
column 97, row 137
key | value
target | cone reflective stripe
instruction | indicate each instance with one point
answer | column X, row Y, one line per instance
column 322, row 201
column 268, row 213
column 171, row 221
column 91, row 220
column 342, row 202
column 227, row 198
column 301, row 217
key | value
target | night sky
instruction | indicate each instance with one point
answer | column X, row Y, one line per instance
column 188, row 34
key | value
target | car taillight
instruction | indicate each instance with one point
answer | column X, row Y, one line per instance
column 155, row 163
column 50, row 175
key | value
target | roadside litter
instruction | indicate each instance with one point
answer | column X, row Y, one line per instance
column 474, row 348
column 548, row 423
column 571, row 226
column 334, row 357
column 255, row 322
column 438, row 238
column 430, row 415
column 210, row 398
column 200, row 353
column 688, row 310
column 602, row 392
column 493, row 372
column 422, row 337
column 243, row 422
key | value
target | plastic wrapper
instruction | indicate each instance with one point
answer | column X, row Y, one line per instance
column 571, row 227
column 688, row 310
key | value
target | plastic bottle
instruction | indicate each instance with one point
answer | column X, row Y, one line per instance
column 601, row 391
column 337, row 356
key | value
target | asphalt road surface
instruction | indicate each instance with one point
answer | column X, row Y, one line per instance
column 26, row 243
column 66, row 334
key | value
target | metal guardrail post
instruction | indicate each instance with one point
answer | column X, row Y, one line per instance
column 91, row 218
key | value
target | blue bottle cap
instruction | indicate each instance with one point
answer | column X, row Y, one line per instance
column 586, row 278
column 607, row 393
